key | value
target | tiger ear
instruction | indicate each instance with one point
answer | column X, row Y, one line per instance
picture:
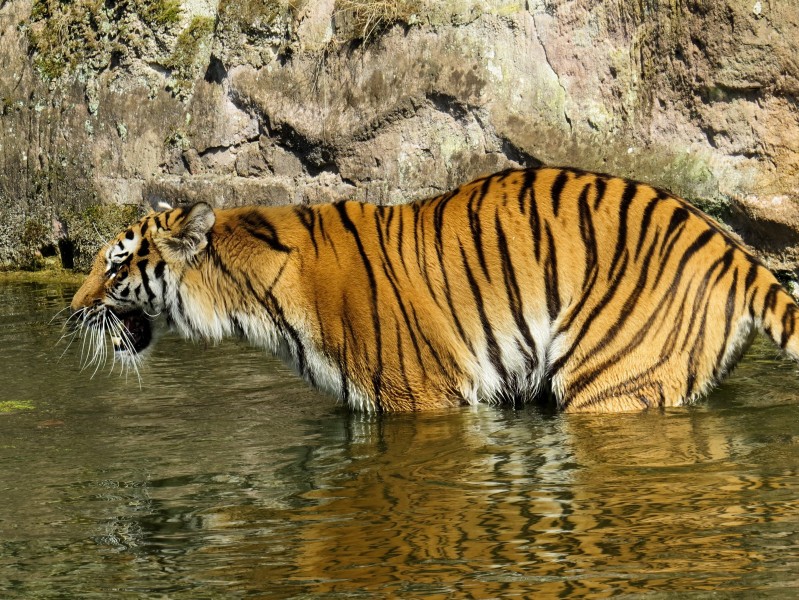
column 188, row 238
column 159, row 204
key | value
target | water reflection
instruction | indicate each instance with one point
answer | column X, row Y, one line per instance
column 225, row 476
column 494, row 504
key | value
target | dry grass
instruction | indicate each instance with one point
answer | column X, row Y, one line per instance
column 370, row 17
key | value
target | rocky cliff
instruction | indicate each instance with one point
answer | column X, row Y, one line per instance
column 109, row 106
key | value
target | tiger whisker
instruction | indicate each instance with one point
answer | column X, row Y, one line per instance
column 72, row 336
column 99, row 349
column 58, row 314
column 127, row 343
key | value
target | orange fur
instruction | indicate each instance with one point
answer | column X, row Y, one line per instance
column 601, row 293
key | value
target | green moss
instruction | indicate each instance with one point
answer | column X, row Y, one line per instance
column 35, row 236
column 158, row 13
column 107, row 220
column 93, row 227
column 176, row 137
column 185, row 60
column 249, row 15
column 50, row 276
column 63, row 34
column 8, row 406
column 69, row 36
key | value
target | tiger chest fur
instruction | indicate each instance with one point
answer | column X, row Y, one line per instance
column 599, row 293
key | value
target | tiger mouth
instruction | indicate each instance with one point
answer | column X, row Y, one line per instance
column 137, row 334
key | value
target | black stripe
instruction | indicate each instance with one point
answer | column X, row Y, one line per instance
column 678, row 218
column 513, row 291
column 526, row 188
column 349, row 226
column 494, row 353
column 416, row 209
column 278, row 315
column 342, row 367
column 145, row 279
column 307, row 217
column 391, row 277
column 699, row 243
column 588, row 235
column 144, row 248
column 160, row 267
column 788, row 325
column 321, row 222
column 144, row 226
column 486, row 187
column 401, row 238
column 401, row 358
column 388, row 266
column 551, row 277
column 220, row 264
column 595, row 311
column 503, row 175
column 439, row 246
column 260, row 228
column 428, row 343
column 673, row 233
column 176, row 213
column 770, row 301
column 729, row 314
column 703, row 293
column 557, row 190
column 475, row 227
column 420, row 246
column 271, row 306
column 666, row 354
column 535, row 220
column 630, row 190
column 667, row 300
column 629, row 303
column 633, row 387
column 601, row 186
column 751, row 275
column 388, row 213
column 645, row 221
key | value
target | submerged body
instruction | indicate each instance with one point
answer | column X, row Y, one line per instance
column 600, row 293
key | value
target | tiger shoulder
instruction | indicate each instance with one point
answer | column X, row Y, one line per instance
column 590, row 291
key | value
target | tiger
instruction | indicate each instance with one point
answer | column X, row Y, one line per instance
column 582, row 291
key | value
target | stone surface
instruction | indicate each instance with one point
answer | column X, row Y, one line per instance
column 276, row 101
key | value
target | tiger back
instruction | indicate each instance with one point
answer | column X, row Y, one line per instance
column 599, row 293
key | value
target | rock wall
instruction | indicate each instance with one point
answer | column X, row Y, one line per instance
column 108, row 107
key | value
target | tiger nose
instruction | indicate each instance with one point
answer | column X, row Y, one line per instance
column 89, row 293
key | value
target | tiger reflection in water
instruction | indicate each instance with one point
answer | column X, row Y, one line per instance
column 490, row 504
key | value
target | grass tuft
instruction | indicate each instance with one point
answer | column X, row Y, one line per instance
column 371, row 17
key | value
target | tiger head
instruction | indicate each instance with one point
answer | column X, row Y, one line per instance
column 126, row 295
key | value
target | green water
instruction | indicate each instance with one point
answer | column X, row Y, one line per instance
column 225, row 476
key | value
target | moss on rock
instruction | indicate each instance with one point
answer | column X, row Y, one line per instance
column 94, row 226
column 81, row 36
column 191, row 53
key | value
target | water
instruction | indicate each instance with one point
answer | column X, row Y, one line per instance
column 225, row 476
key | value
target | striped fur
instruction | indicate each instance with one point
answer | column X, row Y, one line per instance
column 600, row 293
